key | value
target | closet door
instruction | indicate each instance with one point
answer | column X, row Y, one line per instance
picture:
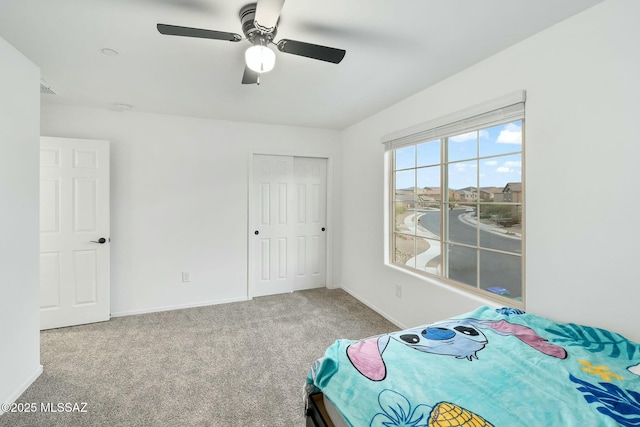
column 272, row 222
column 287, row 241
column 310, row 176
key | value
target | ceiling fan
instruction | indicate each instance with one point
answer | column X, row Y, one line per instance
column 259, row 25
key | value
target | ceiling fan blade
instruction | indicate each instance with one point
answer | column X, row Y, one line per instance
column 323, row 53
column 249, row 77
column 267, row 14
column 174, row 30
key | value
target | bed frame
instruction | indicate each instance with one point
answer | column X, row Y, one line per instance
column 317, row 415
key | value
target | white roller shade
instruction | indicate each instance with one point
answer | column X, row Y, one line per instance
column 505, row 109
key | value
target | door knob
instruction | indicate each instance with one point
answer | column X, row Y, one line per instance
column 323, row 228
column 256, row 232
column 100, row 240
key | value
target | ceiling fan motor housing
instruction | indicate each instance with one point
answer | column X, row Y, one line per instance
column 249, row 29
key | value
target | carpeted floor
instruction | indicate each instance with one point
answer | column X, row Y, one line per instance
column 238, row 364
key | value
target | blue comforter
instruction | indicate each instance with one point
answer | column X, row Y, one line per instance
column 488, row 367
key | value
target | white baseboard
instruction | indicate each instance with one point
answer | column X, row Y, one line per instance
column 18, row 392
column 374, row 308
column 177, row 307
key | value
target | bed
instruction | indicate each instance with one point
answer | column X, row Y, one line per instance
column 488, row 367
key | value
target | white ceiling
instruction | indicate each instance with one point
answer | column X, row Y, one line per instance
column 394, row 48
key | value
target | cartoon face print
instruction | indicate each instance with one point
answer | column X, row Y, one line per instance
column 461, row 339
column 454, row 338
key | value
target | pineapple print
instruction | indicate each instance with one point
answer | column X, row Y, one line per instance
column 446, row 414
column 397, row 411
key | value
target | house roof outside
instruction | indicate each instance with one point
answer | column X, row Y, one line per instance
column 492, row 190
column 512, row 187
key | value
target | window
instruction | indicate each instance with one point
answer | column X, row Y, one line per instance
column 456, row 199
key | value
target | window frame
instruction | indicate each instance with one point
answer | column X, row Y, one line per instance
column 414, row 136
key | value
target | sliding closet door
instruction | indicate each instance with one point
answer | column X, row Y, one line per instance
column 272, row 222
column 287, row 241
column 310, row 176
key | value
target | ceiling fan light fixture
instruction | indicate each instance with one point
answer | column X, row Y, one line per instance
column 260, row 58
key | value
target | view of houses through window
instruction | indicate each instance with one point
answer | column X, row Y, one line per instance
column 457, row 209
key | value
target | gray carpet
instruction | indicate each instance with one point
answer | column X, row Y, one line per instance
column 238, row 364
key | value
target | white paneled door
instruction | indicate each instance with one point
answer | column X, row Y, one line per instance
column 74, row 232
column 288, row 224
column 310, row 215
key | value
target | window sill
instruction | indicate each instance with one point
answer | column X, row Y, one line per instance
column 482, row 297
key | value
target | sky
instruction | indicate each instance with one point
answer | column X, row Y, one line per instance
column 486, row 158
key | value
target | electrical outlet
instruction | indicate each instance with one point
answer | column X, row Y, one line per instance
column 399, row 290
column 185, row 277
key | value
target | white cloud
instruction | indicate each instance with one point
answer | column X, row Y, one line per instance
column 491, row 162
column 470, row 136
column 511, row 134
column 465, row 166
column 510, row 166
column 464, row 137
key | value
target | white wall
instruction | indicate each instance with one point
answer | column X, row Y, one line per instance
column 582, row 152
column 179, row 200
column 19, row 223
